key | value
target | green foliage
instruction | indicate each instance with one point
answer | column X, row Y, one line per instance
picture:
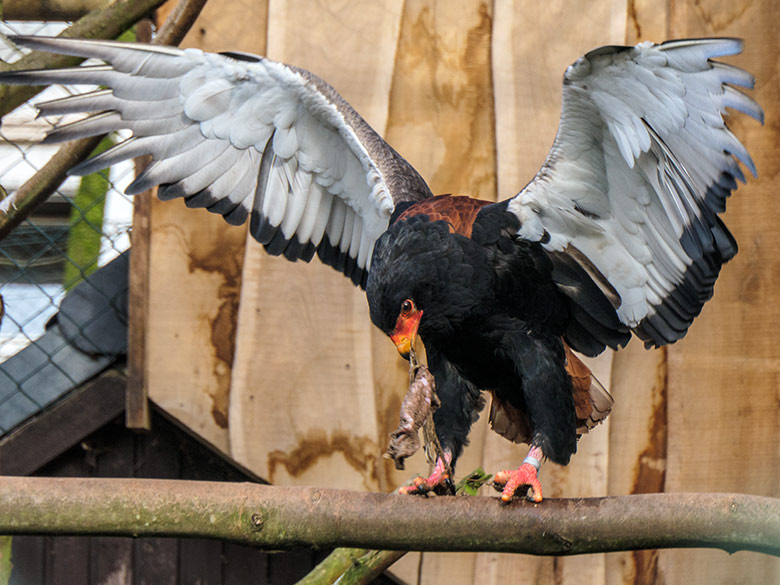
column 469, row 485
column 5, row 560
column 86, row 218
column 86, row 224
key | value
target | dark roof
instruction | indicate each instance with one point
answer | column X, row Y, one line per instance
column 86, row 336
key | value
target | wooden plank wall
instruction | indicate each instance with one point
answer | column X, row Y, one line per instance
column 195, row 264
column 278, row 366
column 722, row 394
column 304, row 406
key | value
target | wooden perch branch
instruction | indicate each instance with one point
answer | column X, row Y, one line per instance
column 273, row 517
column 48, row 9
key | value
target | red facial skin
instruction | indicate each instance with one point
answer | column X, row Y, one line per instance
column 405, row 331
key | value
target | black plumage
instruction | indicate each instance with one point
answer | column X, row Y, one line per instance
column 493, row 317
column 617, row 233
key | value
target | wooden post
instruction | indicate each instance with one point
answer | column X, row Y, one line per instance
column 137, row 415
column 315, row 389
column 533, row 43
column 442, row 121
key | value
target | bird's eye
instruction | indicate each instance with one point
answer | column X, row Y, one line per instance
column 407, row 307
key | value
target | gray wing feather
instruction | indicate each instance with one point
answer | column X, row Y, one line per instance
column 242, row 136
column 640, row 168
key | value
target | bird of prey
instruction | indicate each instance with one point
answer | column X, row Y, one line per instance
column 618, row 232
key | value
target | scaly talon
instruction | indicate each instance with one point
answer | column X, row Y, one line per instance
column 438, row 482
column 509, row 481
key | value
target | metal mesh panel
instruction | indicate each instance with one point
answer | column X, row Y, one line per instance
column 80, row 229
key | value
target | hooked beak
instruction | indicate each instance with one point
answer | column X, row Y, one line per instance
column 405, row 332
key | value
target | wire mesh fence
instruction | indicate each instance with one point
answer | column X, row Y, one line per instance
column 80, row 228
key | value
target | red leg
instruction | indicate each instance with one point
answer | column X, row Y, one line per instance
column 509, row 481
column 438, row 479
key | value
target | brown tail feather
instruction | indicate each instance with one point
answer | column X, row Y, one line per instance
column 508, row 421
column 592, row 404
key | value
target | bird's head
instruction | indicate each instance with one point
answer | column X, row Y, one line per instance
column 404, row 332
column 419, row 284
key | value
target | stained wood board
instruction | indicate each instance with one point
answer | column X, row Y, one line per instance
column 304, row 406
column 137, row 415
column 716, row 390
column 724, row 376
column 441, row 106
column 638, row 425
column 195, row 262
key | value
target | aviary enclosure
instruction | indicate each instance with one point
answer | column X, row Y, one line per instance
column 278, row 366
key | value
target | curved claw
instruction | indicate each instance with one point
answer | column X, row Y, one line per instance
column 509, row 481
column 423, row 485
column 438, row 482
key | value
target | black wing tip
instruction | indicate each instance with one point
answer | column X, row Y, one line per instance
column 222, row 206
column 237, row 216
column 590, row 337
column 260, row 228
column 278, row 243
column 296, row 250
column 241, row 56
column 273, row 239
column 671, row 319
column 343, row 262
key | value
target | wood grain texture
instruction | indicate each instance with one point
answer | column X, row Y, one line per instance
column 638, row 424
column 44, row 437
column 315, row 388
column 137, row 399
column 137, row 414
column 441, row 113
column 723, row 399
column 442, row 120
column 195, row 271
column 304, row 405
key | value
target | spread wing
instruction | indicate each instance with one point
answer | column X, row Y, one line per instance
column 640, row 168
column 242, row 136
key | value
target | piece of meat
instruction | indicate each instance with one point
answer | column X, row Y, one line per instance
column 419, row 403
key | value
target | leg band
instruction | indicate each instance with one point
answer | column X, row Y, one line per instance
column 533, row 461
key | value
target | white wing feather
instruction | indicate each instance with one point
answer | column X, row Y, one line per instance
column 641, row 165
column 242, row 136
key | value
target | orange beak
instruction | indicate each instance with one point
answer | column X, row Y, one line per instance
column 405, row 332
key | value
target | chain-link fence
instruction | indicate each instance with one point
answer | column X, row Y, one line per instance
column 79, row 229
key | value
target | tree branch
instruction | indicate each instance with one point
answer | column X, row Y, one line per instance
column 370, row 566
column 48, row 10
column 179, row 22
column 105, row 23
column 38, row 188
column 333, row 566
column 273, row 517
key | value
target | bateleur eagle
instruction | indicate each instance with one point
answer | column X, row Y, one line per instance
column 617, row 233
